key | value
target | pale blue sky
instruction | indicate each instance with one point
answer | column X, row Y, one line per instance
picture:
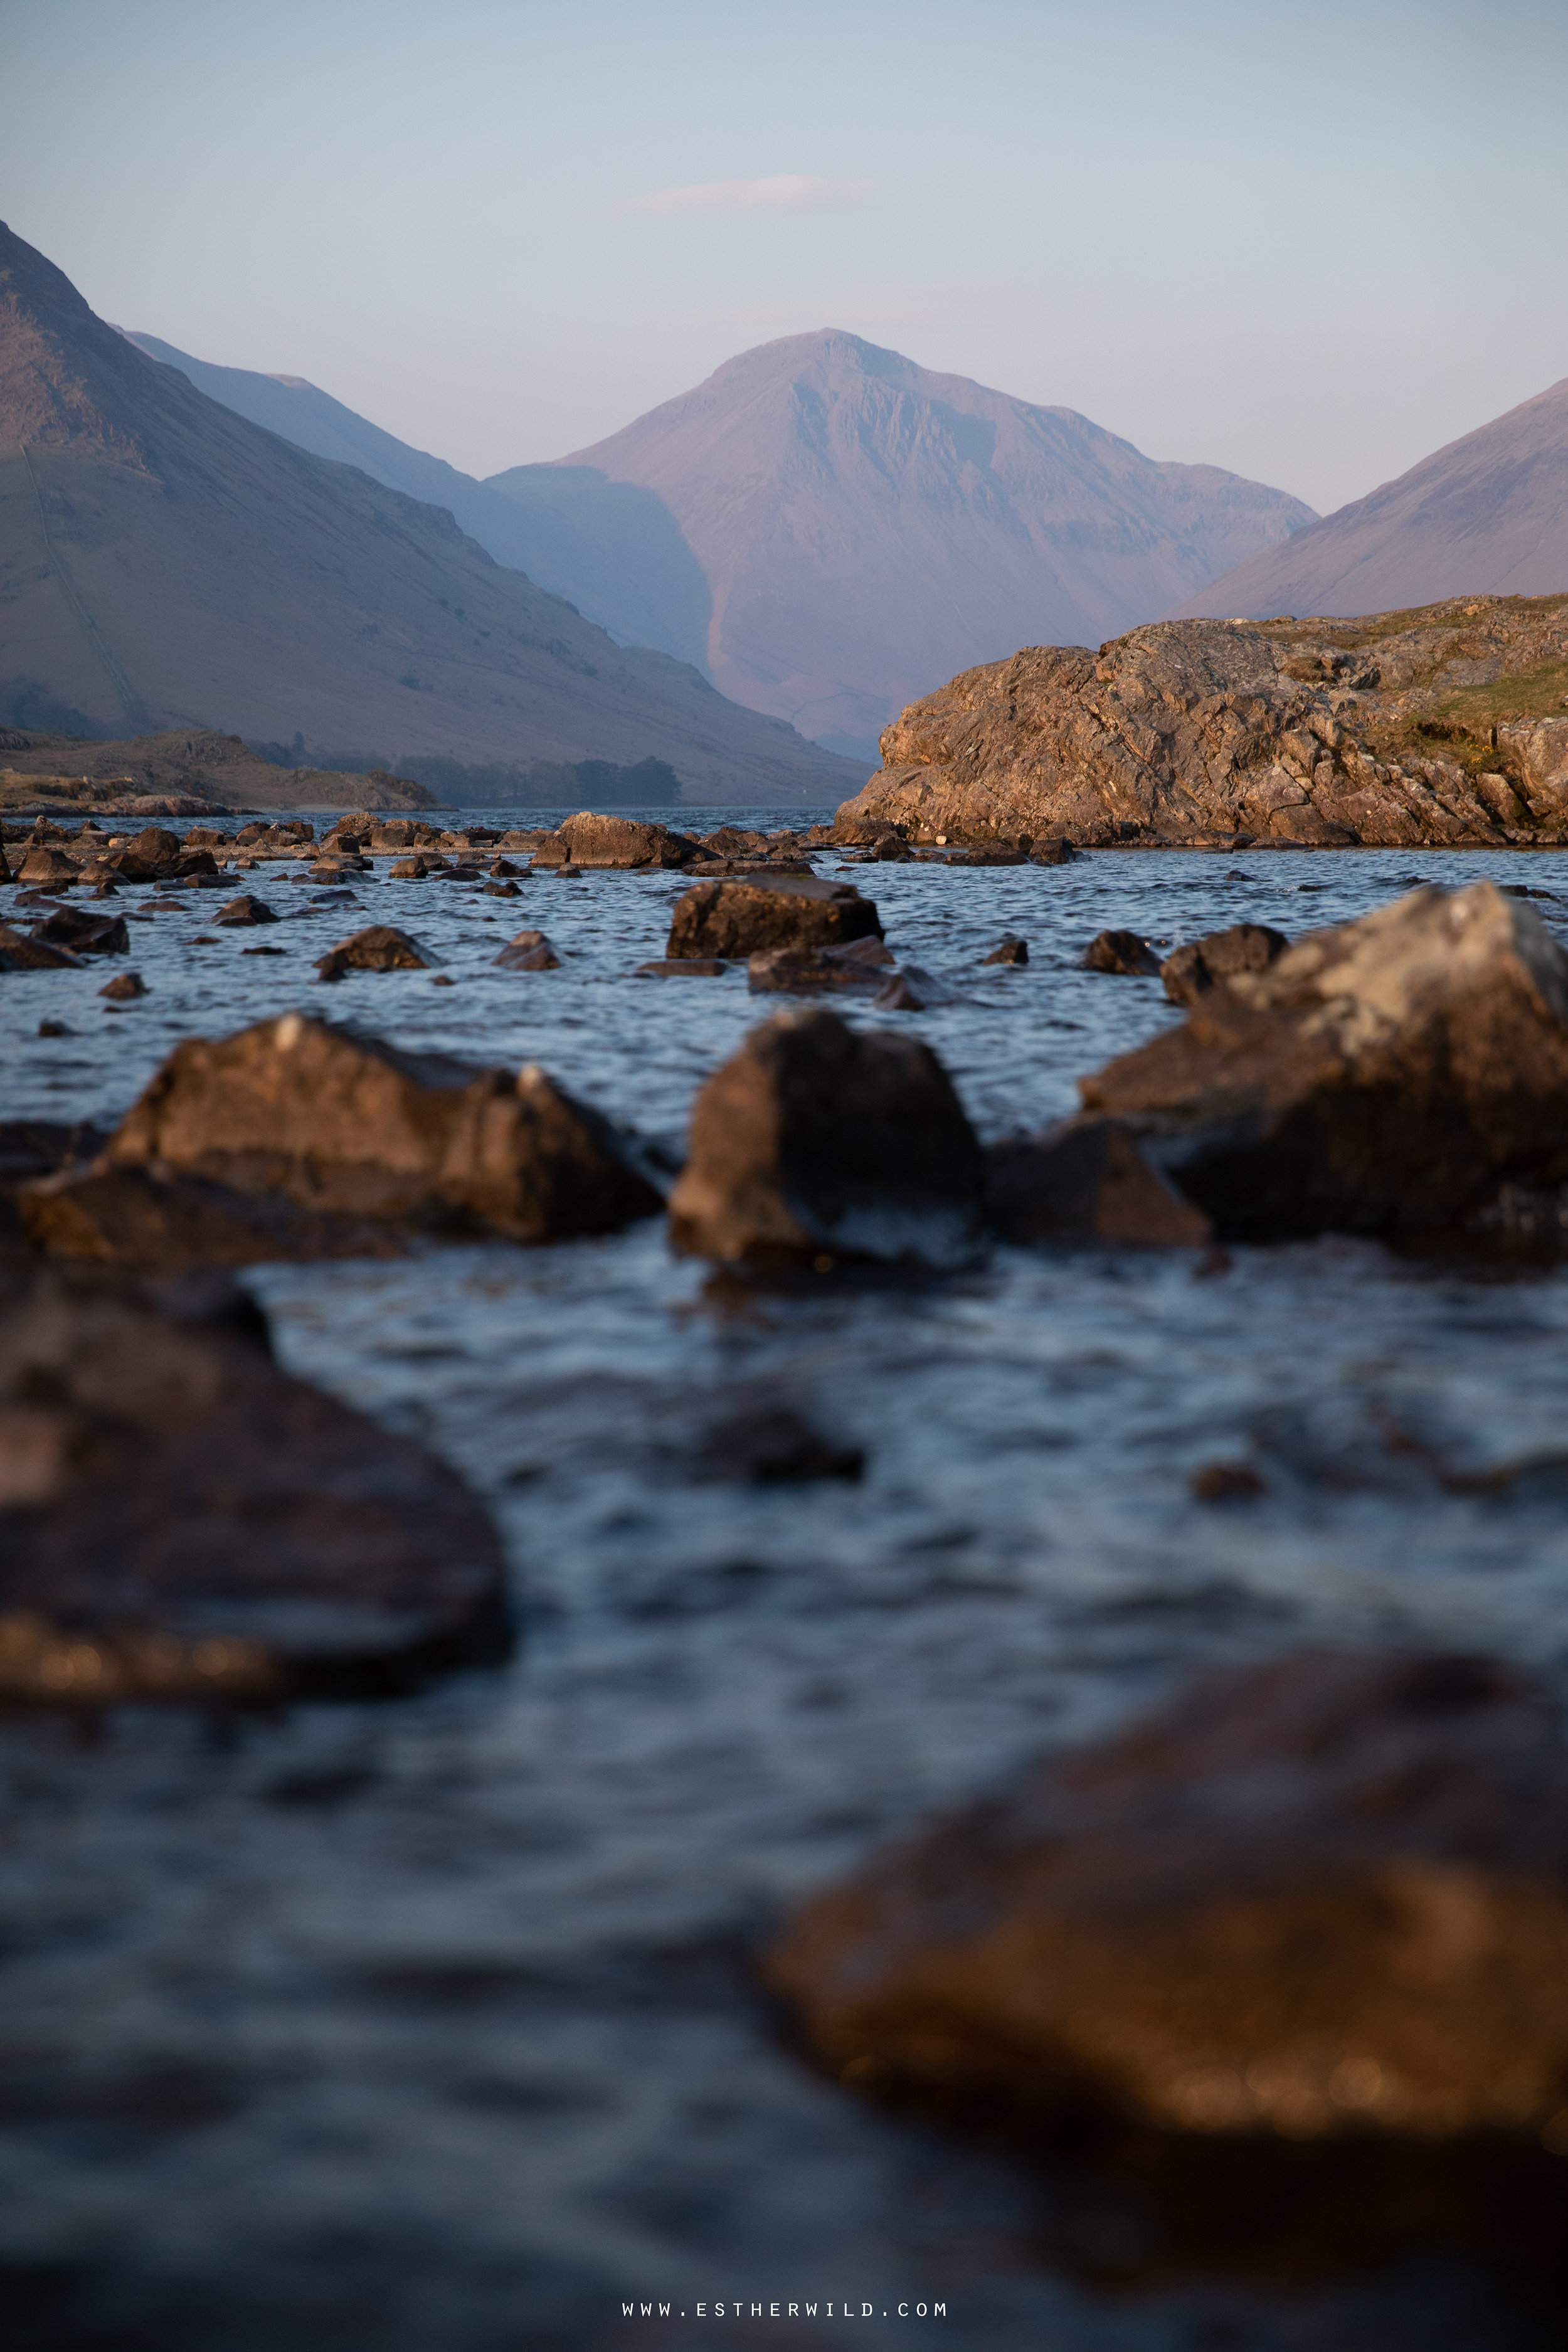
column 1307, row 243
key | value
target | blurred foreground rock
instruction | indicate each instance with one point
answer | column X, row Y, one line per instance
column 1387, row 1077
column 343, row 1126
column 1325, row 1900
column 1087, row 1182
column 817, row 1142
column 180, row 1520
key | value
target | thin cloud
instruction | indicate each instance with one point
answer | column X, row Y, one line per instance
column 788, row 192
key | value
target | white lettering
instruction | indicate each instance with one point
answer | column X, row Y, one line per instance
column 865, row 2311
column 664, row 2310
column 702, row 2311
column 772, row 2311
column 628, row 2311
column 795, row 2311
column 938, row 2311
column 811, row 2311
column 647, row 2311
column 756, row 2311
column 919, row 2311
column 903, row 2310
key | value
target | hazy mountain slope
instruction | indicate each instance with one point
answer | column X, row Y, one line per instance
column 612, row 548
column 1488, row 515
column 165, row 562
column 867, row 528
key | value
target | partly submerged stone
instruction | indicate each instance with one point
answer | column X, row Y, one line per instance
column 1213, row 962
column 181, row 1520
column 862, row 966
column 380, row 947
column 19, row 951
column 244, row 911
column 1010, row 948
column 588, row 840
column 1087, row 1182
column 817, row 1140
column 529, row 951
column 1385, row 1076
column 124, row 987
column 1321, row 1900
column 765, row 911
column 345, row 1125
column 681, row 968
column 1121, row 951
column 84, row 934
column 913, row 989
column 146, row 1217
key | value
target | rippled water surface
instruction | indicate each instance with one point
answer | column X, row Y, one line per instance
column 431, row 2023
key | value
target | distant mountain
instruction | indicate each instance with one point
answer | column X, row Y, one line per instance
column 167, row 563
column 866, row 528
column 1488, row 515
column 613, row 548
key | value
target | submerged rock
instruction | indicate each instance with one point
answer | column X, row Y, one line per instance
column 181, row 1520
column 1386, row 1077
column 820, row 1142
column 145, row 1217
column 19, row 951
column 1324, row 1900
column 681, row 968
column 1088, row 1181
column 84, row 934
column 1211, row 961
column 345, row 1125
column 378, row 948
column 245, row 910
column 913, row 990
column 124, row 987
column 529, row 951
column 863, row 965
column 1121, row 951
column 737, row 919
column 1010, row 950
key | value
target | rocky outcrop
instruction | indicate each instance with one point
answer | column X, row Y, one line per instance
column 349, row 1126
column 1387, row 1077
column 180, row 1520
column 1214, row 961
column 1324, row 1900
column 1086, row 1183
column 1392, row 729
column 817, row 1142
column 733, row 919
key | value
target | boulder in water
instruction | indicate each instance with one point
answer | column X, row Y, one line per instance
column 817, row 1142
column 1386, row 1077
column 348, row 1126
column 737, row 919
column 1213, row 962
column 180, row 1520
column 1087, row 1182
column 381, row 946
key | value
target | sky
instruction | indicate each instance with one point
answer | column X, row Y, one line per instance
column 1307, row 244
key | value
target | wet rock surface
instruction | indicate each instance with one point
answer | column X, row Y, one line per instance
column 615, row 841
column 819, row 1140
column 183, row 1521
column 343, row 1124
column 1384, row 1078
column 752, row 918
column 1319, row 734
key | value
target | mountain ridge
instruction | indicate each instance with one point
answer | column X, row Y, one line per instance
column 1484, row 515
column 822, row 480
column 165, row 562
